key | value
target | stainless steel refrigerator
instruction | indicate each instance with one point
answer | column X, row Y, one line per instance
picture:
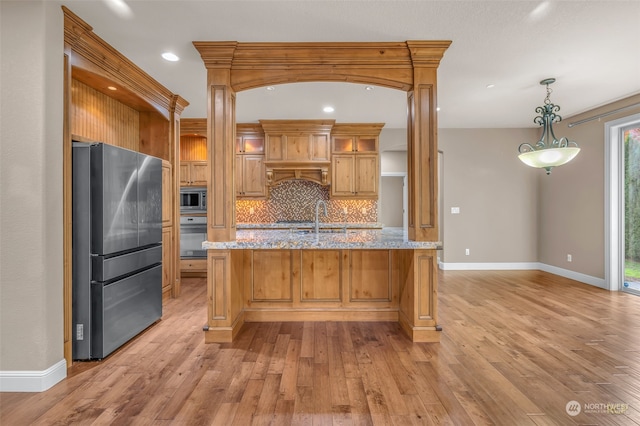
column 117, row 247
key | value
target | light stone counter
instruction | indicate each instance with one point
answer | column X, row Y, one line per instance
column 386, row 238
column 310, row 225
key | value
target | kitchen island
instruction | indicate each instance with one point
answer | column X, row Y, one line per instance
column 337, row 274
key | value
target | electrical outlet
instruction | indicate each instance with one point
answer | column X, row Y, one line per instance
column 364, row 210
column 79, row 331
column 251, row 211
column 455, row 210
column 466, row 252
column 569, row 258
column 344, row 210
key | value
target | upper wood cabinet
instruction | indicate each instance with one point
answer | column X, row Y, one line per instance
column 355, row 160
column 296, row 141
column 250, row 176
column 249, row 144
column 250, row 170
column 354, row 176
column 193, row 152
column 193, row 173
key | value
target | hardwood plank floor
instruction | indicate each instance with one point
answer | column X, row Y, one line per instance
column 517, row 347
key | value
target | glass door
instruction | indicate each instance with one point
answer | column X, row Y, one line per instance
column 631, row 200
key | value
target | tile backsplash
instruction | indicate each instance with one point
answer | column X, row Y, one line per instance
column 295, row 200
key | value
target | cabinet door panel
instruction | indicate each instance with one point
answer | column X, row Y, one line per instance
column 370, row 279
column 253, row 145
column 343, row 144
column 239, row 175
column 198, row 173
column 320, row 275
column 297, row 147
column 271, row 276
column 253, row 176
column 184, row 174
column 342, row 175
column 274, row 147
column 320, row 148
column 366, row 175
column 367, row 144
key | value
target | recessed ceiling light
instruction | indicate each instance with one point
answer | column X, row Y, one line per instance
column 172, row 57
column 438, row 109
column 271, row 88
column 328, row 109
column 112, row 88
column 368, row 88
column 491, row 86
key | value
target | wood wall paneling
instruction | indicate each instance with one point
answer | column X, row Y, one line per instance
column 193, row 148
column 97, row 117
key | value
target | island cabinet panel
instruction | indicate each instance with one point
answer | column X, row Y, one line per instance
column 225, row 298
column 272, row 276
column 370, row 276
column 320, row 276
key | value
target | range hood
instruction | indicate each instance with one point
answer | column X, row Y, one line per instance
column 297, row 149
column 316, row 171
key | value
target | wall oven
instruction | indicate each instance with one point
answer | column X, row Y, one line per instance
column 193, row 232
column 193, row 200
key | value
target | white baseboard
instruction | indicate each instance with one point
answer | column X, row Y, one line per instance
column 500, row 266
column 33, row 381
column 577, row 276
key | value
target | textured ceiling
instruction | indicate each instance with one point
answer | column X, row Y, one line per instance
column 591, row 47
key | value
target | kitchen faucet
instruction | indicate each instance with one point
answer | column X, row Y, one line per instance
column 318, row 211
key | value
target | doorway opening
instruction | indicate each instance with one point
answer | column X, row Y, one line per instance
column 393, row 193
column 622, row 175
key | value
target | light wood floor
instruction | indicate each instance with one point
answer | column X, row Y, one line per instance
column 517, row 347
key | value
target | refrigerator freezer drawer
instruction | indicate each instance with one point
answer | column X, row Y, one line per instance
column 123, row 309
column 107, row 268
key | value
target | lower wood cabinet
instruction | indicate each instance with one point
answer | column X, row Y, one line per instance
column 321, row 276
column 327, row 278
column 193, row 267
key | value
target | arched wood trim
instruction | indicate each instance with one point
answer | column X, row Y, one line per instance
column 388, row 64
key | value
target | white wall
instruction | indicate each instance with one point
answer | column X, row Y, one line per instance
column 31, row 263
column 496, row 194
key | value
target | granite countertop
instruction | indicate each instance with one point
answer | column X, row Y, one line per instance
column 385, row 238
column 310, row 225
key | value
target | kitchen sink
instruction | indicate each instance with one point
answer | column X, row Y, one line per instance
column 322, row 231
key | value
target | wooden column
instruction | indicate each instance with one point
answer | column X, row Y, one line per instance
column 178, row 104
column 418, row 283
column 422, row 142
column 221, row 123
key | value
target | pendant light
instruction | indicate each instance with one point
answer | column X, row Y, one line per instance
column 549, row 151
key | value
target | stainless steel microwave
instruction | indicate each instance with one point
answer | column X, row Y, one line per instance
column 193, row 200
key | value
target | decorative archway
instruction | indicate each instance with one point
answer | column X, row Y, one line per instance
column 410, row 66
